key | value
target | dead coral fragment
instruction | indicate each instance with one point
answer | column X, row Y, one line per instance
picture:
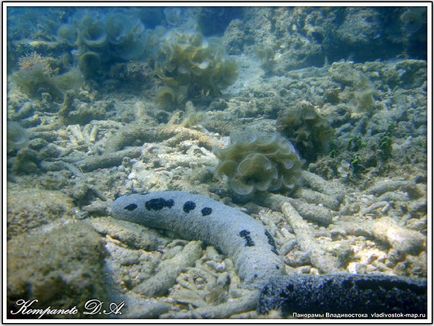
column 169, row 269
column 255, row 163
column 307, row 129
column 73, row 111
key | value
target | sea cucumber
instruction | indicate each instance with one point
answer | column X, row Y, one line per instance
column 196, row 217
column 254, row 251
column 368, row 294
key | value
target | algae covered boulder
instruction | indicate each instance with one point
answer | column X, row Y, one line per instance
column 29, row 208
column 62, row 269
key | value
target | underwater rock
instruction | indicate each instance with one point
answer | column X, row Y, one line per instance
column 281, row 42
column 347, row 74
column 129, row 267
column 234, row 37
column 327, row 187
column 207, row 283
column 359, row 90
column 308, row 36
column 30, row 208
column 96, row 208
column 359, row 27
column 61, row 268
column 256, row 162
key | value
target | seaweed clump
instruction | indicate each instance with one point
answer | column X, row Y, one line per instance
column 191, row 68
column 307, row 129
column 17, row 138
column 110, row 39
column 38, row 74
column 256, row 163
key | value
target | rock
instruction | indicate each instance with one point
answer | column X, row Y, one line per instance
column 62, row 268
column 30, row 208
